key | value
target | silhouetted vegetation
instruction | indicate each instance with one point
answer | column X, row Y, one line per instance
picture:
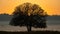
column 5, row 17
column 29, row 15
column 32, row 32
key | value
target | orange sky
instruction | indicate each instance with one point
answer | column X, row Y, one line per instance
column 52, row 7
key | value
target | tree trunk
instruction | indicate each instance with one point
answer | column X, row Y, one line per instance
column 28, row 28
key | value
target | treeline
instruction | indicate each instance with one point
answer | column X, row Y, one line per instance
column 5, row 17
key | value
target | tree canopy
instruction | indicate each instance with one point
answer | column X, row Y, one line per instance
column 29, row 9
column 30, row 14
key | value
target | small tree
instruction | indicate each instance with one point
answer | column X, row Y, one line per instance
column 29, row 15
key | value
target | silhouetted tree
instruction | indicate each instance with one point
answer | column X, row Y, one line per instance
column 29, row 15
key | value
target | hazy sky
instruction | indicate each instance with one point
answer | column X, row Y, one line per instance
column 52, row 7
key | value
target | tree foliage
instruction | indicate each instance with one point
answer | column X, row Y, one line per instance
column 29, row 9
column 29, row 14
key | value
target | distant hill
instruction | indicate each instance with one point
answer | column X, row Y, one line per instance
column 5, row 17
column 53, row 18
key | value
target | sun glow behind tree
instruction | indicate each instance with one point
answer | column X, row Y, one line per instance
column 52, row 7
